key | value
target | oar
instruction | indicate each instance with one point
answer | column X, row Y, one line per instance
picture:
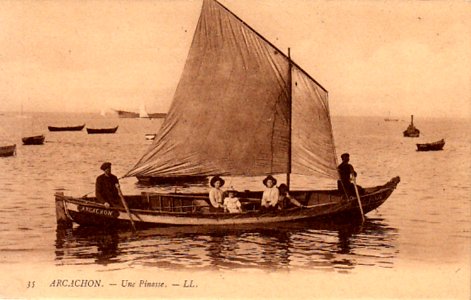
column 358, row 198
column 126, row 207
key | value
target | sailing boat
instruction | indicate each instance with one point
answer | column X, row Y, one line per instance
column 262, row 106
column 141, row 114
column 389, row 119
column 411, row 130
column 37, row 139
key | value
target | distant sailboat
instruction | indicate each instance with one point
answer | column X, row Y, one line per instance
column 389, row 119
column 142, row 112
column 411, row 131
column 7, row 150
column 32, row 138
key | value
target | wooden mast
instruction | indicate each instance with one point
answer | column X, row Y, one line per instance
column 290, row 117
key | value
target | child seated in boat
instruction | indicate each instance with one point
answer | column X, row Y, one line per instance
column 232, row 203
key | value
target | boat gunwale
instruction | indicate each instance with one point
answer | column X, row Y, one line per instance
column 389, row 186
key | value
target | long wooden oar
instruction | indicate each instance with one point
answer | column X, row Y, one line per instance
column 358, row 198
column 125, row 207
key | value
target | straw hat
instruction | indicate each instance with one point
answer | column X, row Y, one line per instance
column 269, row 177
column 216, row 178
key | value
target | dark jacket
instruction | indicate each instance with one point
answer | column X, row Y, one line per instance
column 345, row 185
column 345, row 169
column 105, row 189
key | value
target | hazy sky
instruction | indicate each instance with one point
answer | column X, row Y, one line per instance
column 374, row 57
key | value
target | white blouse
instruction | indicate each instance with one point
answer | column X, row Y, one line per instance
column 270, row 196
column 215, row 197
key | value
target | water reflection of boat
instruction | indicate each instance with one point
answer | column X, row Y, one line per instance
column 71, row 243
column 233, row 73
column 328, row 245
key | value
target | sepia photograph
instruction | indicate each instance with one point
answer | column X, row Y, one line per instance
column 233, row 149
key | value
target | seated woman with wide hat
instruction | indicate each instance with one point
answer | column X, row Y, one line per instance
column 216, row 196
column 270, row 194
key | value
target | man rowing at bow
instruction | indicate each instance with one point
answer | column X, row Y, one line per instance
column 347, row 173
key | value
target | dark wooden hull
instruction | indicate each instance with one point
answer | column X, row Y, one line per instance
column 126, row 114
column 67, row 128
column 102, row 130
column 157, row 115
column 33, row 140
column 435, row 146
column 9, row 150
column 411, row 133
column 150, row 210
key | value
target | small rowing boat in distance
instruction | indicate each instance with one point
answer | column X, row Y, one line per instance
column 150, row 136
column 34, row 140
column 66, row 128
column 435, row 146
column 101, row 130
column 8, row 150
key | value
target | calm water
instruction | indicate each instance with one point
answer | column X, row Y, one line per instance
column 425, row 221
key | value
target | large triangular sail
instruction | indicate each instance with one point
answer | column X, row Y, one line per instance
column 231, row 109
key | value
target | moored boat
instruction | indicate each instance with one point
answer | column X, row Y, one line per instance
column 8, row 150
column 150, row 136
column 101, row 130
column 411, row 131
column 131, row 114
column 66, row 128
column 435, row 146
column 33, row 140
column 126, row 114
column 279, row 124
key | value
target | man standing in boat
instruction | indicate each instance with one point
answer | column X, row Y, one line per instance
column 347, row 172
column 107, row 187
